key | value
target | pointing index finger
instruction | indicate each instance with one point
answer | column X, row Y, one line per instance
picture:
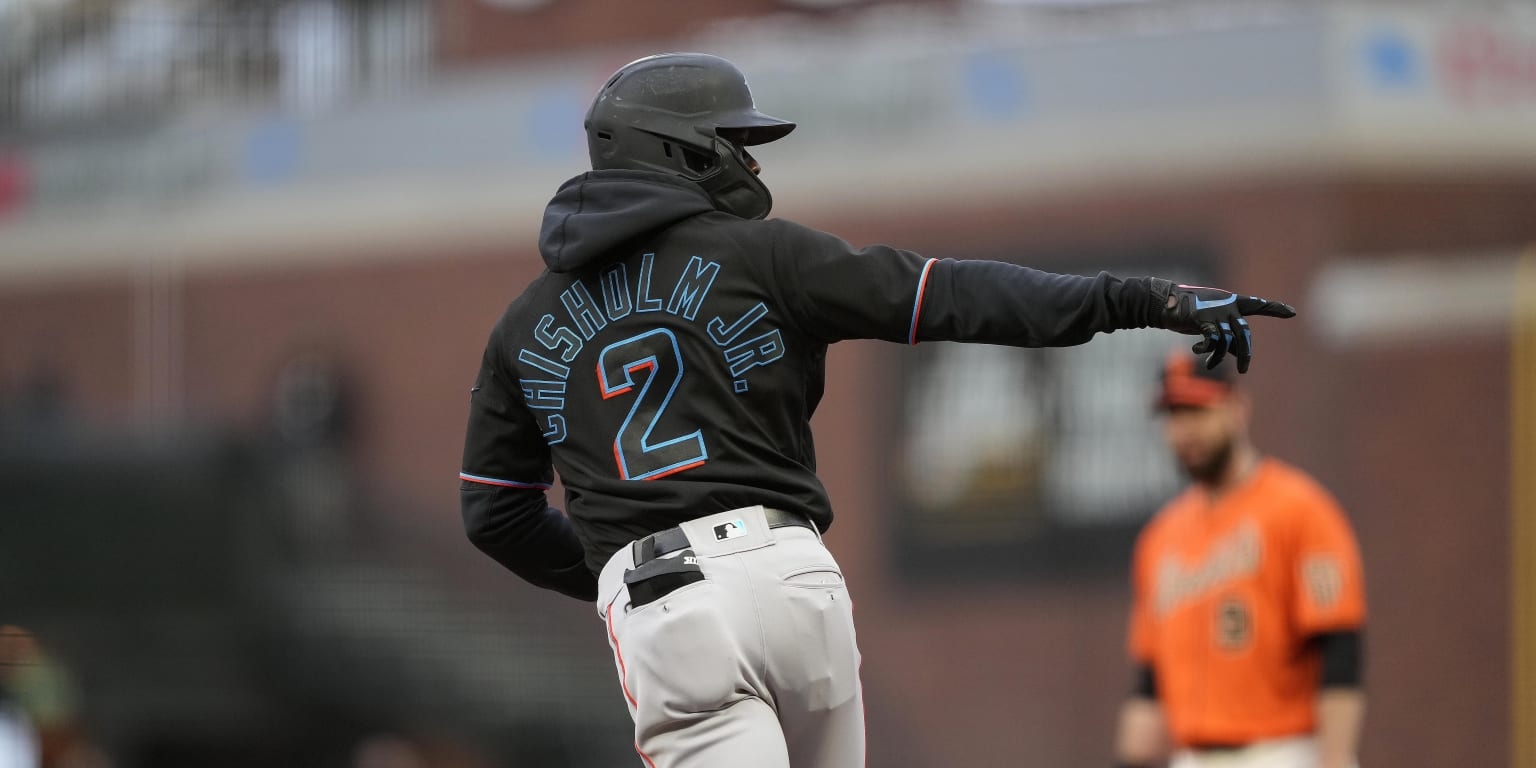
column 1253, row 305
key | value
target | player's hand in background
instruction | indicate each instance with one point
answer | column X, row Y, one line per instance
column 1217, row 316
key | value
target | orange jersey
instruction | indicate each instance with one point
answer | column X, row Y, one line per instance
column 1226, row 596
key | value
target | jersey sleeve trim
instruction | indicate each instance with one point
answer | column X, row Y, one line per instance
column 503, row 483
column 917, row 303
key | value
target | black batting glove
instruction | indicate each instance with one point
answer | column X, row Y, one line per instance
column 1217, row 316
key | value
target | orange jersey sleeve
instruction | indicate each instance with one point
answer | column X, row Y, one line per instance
column 1141, row 643
column 1329, row 582
column 1142, row 637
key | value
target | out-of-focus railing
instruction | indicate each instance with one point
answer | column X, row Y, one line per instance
column 75, row 66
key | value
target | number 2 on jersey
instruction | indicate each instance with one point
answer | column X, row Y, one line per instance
column 634, row 451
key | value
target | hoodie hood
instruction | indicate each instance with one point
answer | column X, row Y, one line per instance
column 594, row 213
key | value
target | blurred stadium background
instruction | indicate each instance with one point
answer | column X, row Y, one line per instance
column 249, row 253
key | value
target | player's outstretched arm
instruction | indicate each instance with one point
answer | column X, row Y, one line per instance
column 833, row 291
column 1007, row 304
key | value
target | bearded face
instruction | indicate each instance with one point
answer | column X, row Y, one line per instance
column 1202, row 439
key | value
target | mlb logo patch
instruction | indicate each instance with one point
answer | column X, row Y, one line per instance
column 730, row 529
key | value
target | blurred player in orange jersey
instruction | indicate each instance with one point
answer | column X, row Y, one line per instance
column 1248, row 603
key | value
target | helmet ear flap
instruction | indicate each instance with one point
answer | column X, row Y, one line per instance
column 734, row 186
column 701, row 164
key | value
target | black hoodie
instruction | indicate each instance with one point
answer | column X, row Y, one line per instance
column 668, row 362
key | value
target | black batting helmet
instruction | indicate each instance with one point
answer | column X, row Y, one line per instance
column 689, row 115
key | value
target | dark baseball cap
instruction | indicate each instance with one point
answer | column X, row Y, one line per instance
column 1185, row 382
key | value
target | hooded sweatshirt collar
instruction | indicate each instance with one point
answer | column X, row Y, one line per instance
column 594, row 213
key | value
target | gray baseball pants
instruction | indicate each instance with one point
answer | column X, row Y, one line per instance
column 756, row 666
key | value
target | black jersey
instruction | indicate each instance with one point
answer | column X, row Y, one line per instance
column 669, row 360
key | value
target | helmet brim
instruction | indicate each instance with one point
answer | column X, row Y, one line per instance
column 750, row 128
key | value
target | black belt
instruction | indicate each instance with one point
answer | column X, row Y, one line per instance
column 656, row 576
column 662, row 543
column 1218, row 747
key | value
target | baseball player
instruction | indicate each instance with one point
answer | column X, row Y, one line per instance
column 667, row 364
column 1248, row 603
